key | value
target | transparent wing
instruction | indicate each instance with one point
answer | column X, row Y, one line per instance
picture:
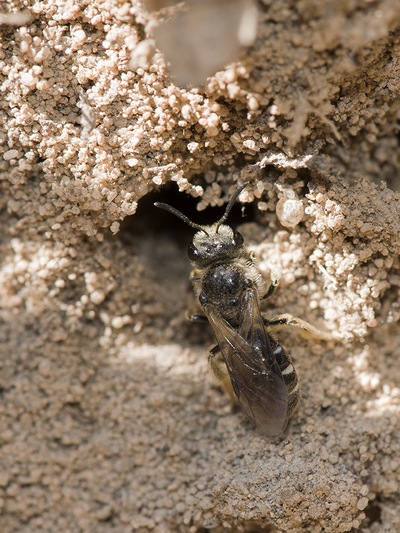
column 253, row 370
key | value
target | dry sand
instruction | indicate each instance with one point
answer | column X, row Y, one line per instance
column 109, row 419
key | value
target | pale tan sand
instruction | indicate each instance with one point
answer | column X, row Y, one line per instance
column 109, row 420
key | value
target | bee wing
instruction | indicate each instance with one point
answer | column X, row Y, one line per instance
column 255, row 375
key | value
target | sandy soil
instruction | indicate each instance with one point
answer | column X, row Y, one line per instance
column 109, row 419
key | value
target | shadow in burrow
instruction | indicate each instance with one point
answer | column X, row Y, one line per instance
column 161, row 240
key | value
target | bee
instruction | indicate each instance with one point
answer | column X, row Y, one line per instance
column 256, row 370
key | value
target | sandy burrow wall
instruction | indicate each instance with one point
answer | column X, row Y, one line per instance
column 109, row 420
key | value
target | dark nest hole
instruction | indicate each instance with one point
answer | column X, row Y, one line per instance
column 373, row 515
column 246, row 527
column 150, row 219
column 161, row 240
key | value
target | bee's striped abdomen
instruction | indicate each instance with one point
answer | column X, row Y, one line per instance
column 289, row 376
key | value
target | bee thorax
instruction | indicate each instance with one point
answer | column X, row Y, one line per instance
column 223, row 286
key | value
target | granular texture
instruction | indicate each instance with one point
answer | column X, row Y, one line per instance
column 109, row 418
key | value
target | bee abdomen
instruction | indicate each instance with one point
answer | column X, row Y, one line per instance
column 289, row 377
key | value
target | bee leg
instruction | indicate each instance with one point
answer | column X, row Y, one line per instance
column 274, row 284
column 305, row 329
column 218, row 368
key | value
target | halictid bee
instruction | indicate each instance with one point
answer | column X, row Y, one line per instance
column 229, row 288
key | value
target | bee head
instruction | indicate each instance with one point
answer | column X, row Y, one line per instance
column 214, row 242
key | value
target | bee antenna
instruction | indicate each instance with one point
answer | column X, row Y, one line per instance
column 180, row 215
column 232, row 200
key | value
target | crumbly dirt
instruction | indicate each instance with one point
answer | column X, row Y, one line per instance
column 109, row 419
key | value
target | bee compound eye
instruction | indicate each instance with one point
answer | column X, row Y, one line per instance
column 193, row 252
column 238, row 238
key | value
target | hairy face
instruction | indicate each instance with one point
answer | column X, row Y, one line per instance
column 214, row 243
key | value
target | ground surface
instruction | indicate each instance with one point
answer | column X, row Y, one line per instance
column 109, row 419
